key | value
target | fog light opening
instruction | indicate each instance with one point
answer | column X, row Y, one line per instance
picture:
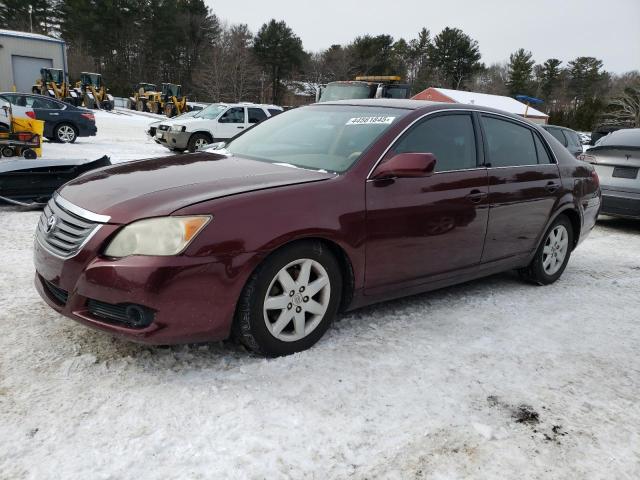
column 138, row 316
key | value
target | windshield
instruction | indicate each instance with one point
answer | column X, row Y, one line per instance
column 54, row 76
column 211, row 112
column 320, row 137
column 348, row 91
column 397, row 91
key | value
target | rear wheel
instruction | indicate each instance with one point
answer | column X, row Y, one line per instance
column 65, row 133
column 198, row 140
column 552, row 256
column 289, row 301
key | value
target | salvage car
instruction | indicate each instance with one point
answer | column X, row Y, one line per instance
column 217, row 122
column 63, row 122
column 321, row 209
column 616, row 158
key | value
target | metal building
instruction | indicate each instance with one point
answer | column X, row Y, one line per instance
column 23, row 54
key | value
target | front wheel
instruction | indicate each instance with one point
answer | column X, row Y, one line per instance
column 290, row 300
column 197, row 141
column 552, row 256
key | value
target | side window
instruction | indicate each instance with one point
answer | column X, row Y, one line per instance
column 45, row 104
column 543, row 154
column 509, row 144
column 256, row 115
column 556, row 132
column 572, row 138
column 449, row 137
column 274, row 111
column 233, row 115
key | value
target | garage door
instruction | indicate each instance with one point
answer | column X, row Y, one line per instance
column 26, row 70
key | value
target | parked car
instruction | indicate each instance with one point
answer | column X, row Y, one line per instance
column 215, row 123
column 153, row 127
column 323, row 208
column 62, row 122
column 616, row 159
column 567, row 137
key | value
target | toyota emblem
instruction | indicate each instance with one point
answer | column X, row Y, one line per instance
column 51, row 222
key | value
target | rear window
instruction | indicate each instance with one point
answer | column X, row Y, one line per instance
column 629, row 137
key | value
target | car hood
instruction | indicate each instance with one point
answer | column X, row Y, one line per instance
column 160, row 186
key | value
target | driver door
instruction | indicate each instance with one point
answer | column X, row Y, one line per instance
column 231, row 123
column 436, row 225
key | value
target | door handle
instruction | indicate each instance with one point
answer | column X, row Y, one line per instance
column 476, row 196
column 552, row 187
column 239, row 127
column 54, row 114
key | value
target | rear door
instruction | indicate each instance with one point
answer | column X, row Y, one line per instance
column 420, row 227
column 49, row 111
column 524, row 186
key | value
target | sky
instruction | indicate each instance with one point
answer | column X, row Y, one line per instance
column 563, row 29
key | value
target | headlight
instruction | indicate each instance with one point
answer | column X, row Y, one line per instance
column 178, row 128
column 156, row 236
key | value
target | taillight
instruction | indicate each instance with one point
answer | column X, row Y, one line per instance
column 89, row 116
column 31, row 115
column 595, row 179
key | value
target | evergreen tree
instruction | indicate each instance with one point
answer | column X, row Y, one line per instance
column 520, row 73
column 549, row 77
column 280, row 51
column 455, row 57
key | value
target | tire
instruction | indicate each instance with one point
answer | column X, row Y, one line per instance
column 65, row 133
column 256, row 326
column 553, row 254
column 195, row 141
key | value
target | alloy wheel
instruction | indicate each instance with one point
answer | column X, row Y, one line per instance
column 66, row 133
column 200, row 142
column 297, row 300
column 555, row 250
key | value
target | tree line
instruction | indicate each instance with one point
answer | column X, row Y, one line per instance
column 183, row 41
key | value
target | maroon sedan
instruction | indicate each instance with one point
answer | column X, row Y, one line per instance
column 324, row 208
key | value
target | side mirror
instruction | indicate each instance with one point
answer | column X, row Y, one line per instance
column 406, row 165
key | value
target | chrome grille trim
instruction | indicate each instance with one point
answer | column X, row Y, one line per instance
column 74, row 227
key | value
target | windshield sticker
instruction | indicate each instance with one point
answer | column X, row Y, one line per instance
column 371, row 121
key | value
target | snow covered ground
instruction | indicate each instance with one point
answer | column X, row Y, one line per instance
column 121, row 135
column 491, row 379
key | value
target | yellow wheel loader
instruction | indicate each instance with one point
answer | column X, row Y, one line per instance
column 52, row 83
column 91, row 89
column 142, row 92
column 169, row 101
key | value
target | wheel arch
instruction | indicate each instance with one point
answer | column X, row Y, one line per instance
column 340, row 254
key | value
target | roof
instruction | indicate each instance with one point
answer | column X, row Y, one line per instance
column 384, row 102
column 499, row 102
column 31, row 36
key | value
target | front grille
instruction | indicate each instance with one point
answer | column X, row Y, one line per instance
column 127, row 314
column 60, row 295
column 66, row 233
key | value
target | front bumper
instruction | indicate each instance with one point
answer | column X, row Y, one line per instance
column 176, row 139
column 620, row 204
column 193, row 299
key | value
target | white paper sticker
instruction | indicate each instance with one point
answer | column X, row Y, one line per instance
column 370, row 121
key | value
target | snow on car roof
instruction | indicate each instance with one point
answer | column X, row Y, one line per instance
column 34, row 36
column 499, row 102
column 626, row 137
